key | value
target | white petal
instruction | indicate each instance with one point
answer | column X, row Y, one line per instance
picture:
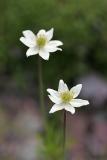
column 53, row 92
column 23, row 40
column 26, row 42
column 31, row 51
column 51, row 48
column 44, row 54
column 55, row 43
column 62, row 86
column 29, row 39
column 59, row 49
column 41, row 32
column 76, row 90
column 49, row 34
column 70, row 108
column 79, row 102
column 55, row 99
column 56, row 107
column 29, row 35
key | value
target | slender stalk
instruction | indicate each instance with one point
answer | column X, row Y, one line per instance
column 41, row 89
column 64, row 138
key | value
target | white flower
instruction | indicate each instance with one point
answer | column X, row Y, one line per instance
column 41, row 43
column 65, row 98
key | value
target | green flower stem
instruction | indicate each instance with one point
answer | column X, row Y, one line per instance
column 64, row 134
column 41, row 89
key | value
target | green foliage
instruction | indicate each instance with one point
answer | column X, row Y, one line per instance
column 53, row 143
column 81, row 25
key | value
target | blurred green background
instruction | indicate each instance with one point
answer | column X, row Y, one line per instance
column 80, row 24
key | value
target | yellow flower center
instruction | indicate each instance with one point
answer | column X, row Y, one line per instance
column 66, row 97
column 41, row 41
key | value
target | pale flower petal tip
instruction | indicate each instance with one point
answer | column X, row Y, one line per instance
column 56, row 107
column 59, row 49
column 61, row 43
column 41, row 31
column 49, row 34
column 50, row 112
column 52, row 29
column 87, row 102
column 28, row 34
column 46, row 59
column 24, row 32
column 48, row 90
column 61, row 81
column 31, row 51
column 76, row 90
column 27, row 55
column 57, row 43
column 72, row 112
column 22, row 39
column 61, row 85
column 54, row 99
column 78, row 86
column 44, row 54
column 70, row 109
